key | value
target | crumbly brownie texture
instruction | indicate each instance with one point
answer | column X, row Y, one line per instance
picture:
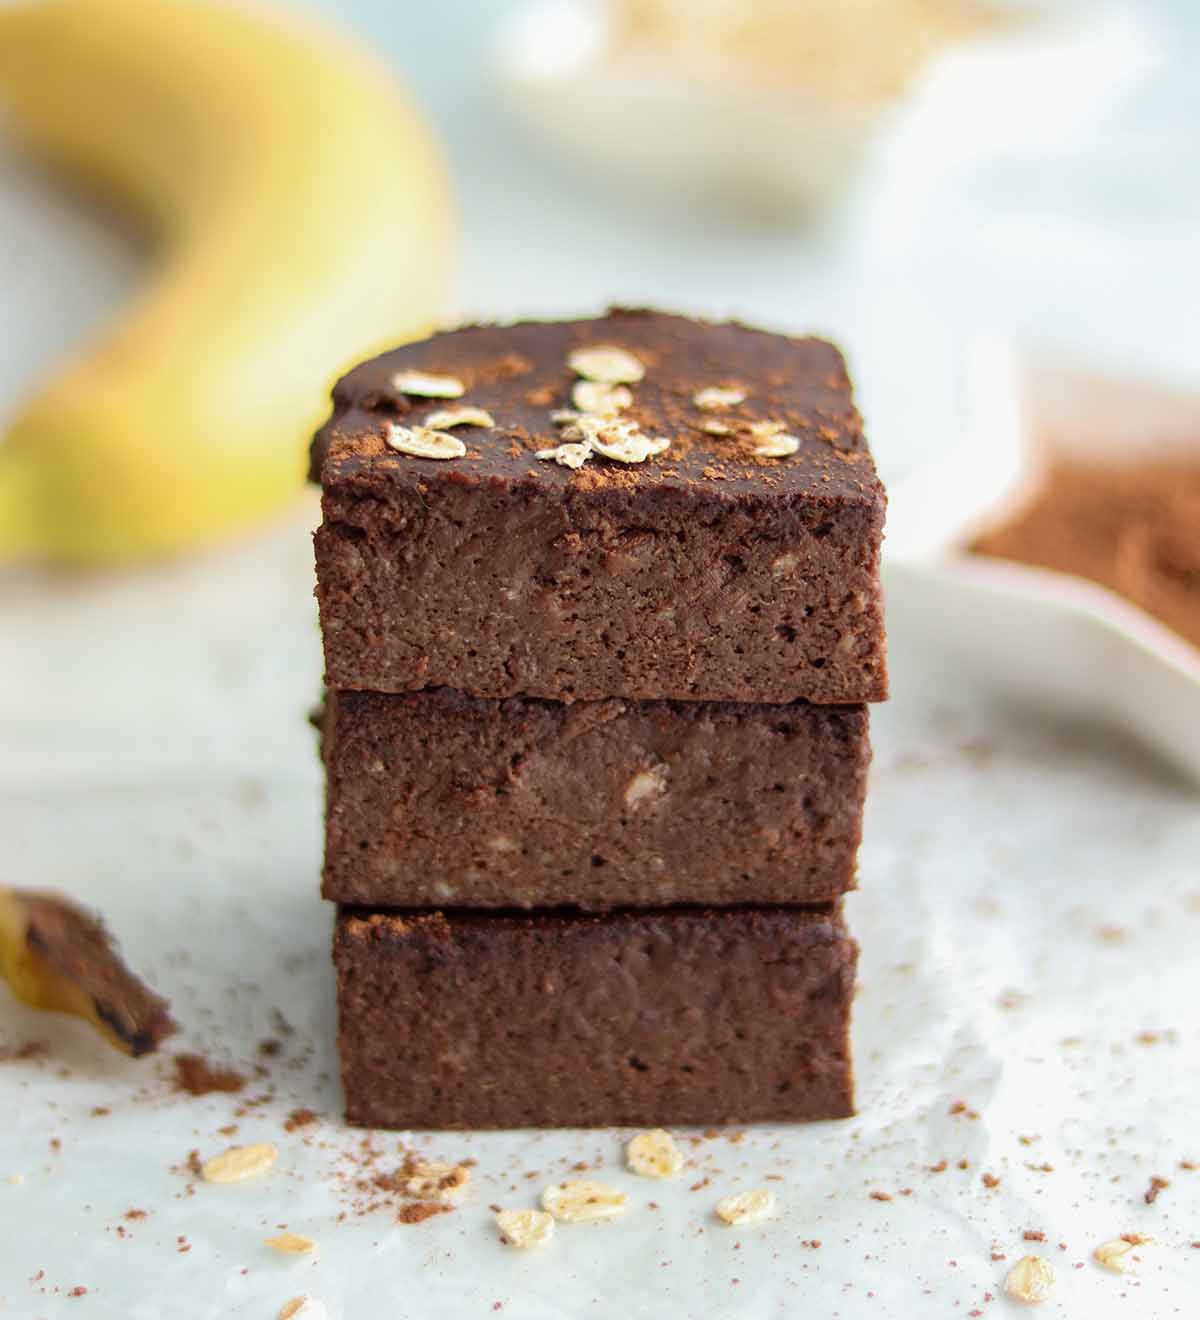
column 704, row 572
column 440, row 799
column 655, row 1018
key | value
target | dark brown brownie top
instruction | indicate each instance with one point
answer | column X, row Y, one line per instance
column 521, row 376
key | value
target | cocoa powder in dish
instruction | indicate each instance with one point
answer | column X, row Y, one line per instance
column 1134, row 528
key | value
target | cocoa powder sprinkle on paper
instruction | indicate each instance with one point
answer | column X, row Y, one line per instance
column 194, row 1075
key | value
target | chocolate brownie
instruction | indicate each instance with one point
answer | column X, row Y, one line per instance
column 558, row 547
column 552, row 1020
column 437, row 798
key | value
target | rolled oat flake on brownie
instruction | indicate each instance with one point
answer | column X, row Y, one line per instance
column 428, row 385
column 717, row 397
column 772, row 441
column 421, row 442
column 445, row 418
column 600, row 399
column 606, row 365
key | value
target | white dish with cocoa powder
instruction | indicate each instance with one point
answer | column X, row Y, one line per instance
column 1071, row 646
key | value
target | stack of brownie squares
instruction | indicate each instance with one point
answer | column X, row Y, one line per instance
column 601, row 614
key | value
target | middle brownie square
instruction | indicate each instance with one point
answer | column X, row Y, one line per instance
column 437, row 799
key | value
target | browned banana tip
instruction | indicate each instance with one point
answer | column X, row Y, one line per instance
column 57, row 956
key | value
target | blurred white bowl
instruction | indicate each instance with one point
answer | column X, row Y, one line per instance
column 644, row 124
column 637, row 122
column 1066, row 644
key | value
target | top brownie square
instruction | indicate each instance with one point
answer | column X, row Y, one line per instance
column 694, row 516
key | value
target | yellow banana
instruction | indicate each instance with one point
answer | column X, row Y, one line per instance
column 55, row 956
column 301, row 220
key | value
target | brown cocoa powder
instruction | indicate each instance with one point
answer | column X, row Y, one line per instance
column 1132, row 528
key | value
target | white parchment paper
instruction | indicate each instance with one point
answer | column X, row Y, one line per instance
column 1029, row 913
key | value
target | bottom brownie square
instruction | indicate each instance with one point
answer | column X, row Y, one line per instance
column 687, row 1016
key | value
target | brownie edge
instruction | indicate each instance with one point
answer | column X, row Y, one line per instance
column 672, row 1017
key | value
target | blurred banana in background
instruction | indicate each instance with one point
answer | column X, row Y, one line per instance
column 300, row 217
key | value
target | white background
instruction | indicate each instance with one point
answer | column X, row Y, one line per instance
column 1030, row 901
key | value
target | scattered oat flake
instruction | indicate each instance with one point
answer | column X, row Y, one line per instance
column 292, row 1244
column 239, row 1163
column 654, row 1154
column 1114, row 1255
column 525, row 1228
column 433, row 1179
column 717, row 397
column 773, row 440
column 606, row 364
column 1030, row 1280
column 445, row 418
column 427, row 385
column 584, row 1202
column 747, row 1207
column 713, row 427
column 303, row 1308
column 600, row 399
column 421, row 442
